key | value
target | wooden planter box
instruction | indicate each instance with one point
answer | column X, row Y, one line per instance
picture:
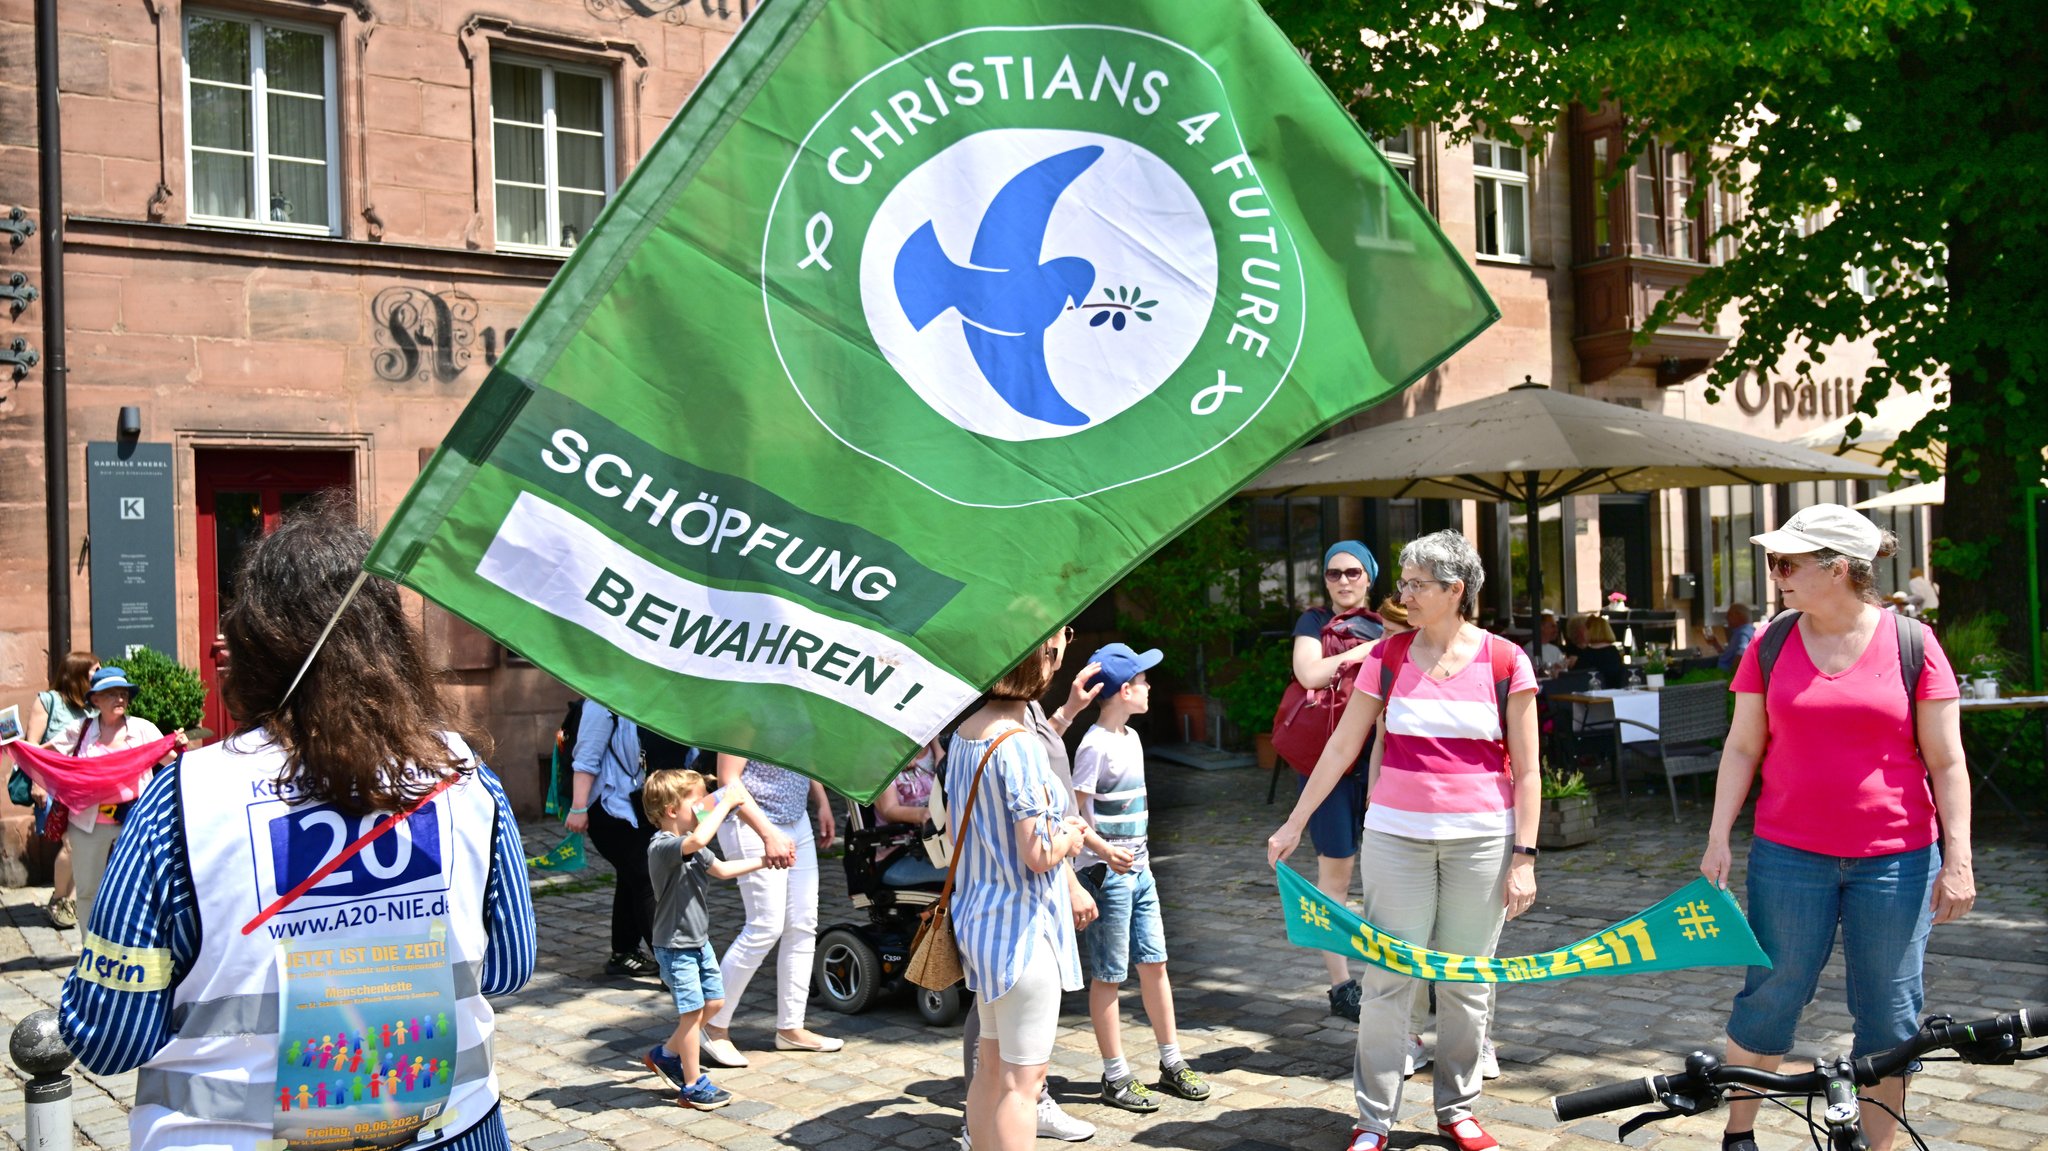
column 1567, row 822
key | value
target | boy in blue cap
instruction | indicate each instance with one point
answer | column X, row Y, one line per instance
column 1109, row 787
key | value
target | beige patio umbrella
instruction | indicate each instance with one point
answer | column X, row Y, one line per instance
column 1895, row 414
column 1532, row 446
column 1916, row 495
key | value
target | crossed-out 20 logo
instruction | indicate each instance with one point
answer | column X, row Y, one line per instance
column 1059, row 269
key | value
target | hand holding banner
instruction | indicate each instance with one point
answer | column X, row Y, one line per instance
column 1699, row 925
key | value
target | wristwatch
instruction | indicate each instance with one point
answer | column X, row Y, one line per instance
column 1528, row 851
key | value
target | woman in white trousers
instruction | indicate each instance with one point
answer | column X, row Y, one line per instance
column 781, row 906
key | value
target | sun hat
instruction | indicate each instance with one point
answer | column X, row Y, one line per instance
column 110, row 679
column 1121, row 665
column 1824, row 526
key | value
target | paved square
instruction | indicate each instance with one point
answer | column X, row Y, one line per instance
column 1252, row 1011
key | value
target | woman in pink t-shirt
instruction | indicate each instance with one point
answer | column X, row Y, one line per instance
column 1448, row 854
column 1856, row 791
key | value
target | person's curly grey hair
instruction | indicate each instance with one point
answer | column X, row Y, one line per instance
column 1862, row 572
column 1449, row 556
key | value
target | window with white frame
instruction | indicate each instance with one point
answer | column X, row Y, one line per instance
column 1376, row 225
column 1399, row 149
column 260, row 123
column 551, row 152
column 1500, row 199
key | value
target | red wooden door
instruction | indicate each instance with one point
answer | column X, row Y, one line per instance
column 241, row 495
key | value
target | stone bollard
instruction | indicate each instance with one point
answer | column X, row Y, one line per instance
column 38, row 1049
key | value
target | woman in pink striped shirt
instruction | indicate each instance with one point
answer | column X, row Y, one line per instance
column 1449, row 849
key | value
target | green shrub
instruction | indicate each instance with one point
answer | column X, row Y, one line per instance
column 1262, row 674
column 167, row 693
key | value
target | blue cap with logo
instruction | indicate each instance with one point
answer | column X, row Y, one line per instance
column 1121, row 665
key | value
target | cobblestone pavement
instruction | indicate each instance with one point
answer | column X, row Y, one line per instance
column 1252, row 1011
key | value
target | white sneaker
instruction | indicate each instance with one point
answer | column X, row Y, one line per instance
column 1489, row 1061
column 1417, row 1056
column 1054, row 1123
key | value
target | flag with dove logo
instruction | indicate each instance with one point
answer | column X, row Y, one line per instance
column 916, row 330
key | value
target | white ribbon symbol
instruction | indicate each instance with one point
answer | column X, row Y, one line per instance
column 816, row 242
column 1210, row 398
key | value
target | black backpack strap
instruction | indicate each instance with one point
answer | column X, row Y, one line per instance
column 1912, row 663
column 1771, row 644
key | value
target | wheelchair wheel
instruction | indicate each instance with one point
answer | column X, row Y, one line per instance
column 847, row 972
column 941, row 1008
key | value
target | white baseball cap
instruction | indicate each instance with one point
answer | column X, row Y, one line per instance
column 1829, row 526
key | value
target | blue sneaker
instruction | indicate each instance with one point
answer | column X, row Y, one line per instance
column 671, row 1068
column 703, row 1095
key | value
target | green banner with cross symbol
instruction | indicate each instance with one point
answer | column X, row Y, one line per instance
column 1699, row 925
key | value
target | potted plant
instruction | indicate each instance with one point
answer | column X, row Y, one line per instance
column 1654, row 665
column 1253, row 694
column 1569, row 817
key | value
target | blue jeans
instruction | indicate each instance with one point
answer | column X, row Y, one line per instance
column 1127, row 927
column 1883, row 907
column 691, row 974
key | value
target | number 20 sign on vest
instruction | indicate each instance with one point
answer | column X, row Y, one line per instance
column 350, row 1018
column 917, row 329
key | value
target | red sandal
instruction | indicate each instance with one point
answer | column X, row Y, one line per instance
column 1363, row 1140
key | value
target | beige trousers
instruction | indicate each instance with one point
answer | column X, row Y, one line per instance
column 1446, row 894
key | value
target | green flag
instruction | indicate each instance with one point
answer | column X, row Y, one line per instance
column 1699, row 925
column 565, row 856
column 918, row 328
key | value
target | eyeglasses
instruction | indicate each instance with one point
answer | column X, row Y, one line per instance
column 1339, row 575
column 1405, row 586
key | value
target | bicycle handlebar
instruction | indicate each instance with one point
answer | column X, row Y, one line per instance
column 1706, row 1076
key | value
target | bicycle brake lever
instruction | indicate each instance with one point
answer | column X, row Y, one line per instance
column 1645, row 1118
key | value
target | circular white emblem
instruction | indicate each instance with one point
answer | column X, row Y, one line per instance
column 1029, row 283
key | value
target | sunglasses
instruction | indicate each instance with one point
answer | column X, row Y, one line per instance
column 1339, row 575
column 1781, row 566
column 1064, row 636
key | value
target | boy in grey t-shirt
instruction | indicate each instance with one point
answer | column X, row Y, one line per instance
column 1109, row 784
column 681, row 868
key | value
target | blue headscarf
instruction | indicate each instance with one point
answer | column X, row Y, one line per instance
column 1357, row 551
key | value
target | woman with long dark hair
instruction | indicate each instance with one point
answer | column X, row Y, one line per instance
column 344, row 842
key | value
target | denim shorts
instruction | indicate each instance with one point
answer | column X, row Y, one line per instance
column 1882, row 906
column 1127, row 926
column 1339, row 821
column 691, row 974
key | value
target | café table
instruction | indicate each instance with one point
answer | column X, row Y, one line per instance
column 1986, row 771
column 1637, row 706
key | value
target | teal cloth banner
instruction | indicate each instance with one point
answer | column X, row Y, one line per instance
column 1699, row 925
column 567, row 856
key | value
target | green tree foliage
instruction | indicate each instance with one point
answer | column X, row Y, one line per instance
column 1190, row 596
column 167, row 693
column 1911, row 131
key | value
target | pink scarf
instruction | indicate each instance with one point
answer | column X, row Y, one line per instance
column 80, row 782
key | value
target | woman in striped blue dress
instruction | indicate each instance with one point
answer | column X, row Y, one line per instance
column 1010, row 904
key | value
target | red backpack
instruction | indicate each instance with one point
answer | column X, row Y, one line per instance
column 1308, row 715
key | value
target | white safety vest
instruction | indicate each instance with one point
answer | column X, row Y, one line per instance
column 215, row 1084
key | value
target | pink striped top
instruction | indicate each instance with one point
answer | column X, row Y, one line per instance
column 1443, row 774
